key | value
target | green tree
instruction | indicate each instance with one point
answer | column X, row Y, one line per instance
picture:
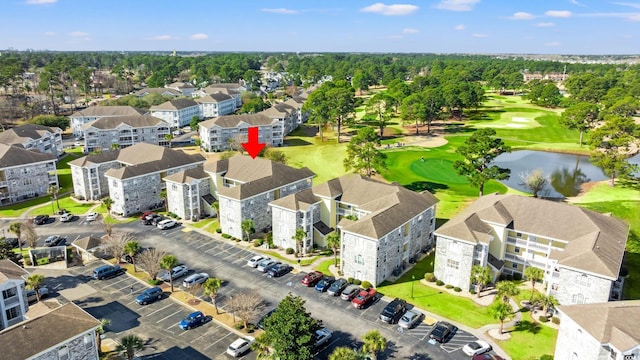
column 261, row 347
column 500, row 311
column 506, row 290
column 163, row 196
column 373, row 343
column 343, row 353
column 478, row 151
column 168, row 138
column 380, row 107
column 299, row 237
column 611, row 143
column 363, row 153
column 129, row 345
column 61, row 122
column 168, row 262
column 6, row 252
column 247, row 228
column 34, row 282
column 107, row 203
column 194, row 123
column 269, row 153
column 99, row 331
column 210, row 288
column 581, row 116
column 534, row 275
column 132, row 248
column 16, row 228
column 535, row 181
column 319, row 110
column 548, row 301
column 290, row 330
column 54, row 190
column 342, row 98
column 333, row 241
column 480, row 275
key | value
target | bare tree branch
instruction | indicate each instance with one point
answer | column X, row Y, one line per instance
column 150, row 261
column 246, row 305
column 28, row 233
column 115, row 244
column 106, row 226
column 535, row 181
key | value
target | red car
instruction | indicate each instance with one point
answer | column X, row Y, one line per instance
column 312, row 278
column 145, row 214
column 363, row 298
column 486, row 356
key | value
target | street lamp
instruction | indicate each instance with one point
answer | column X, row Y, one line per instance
column 413, row 279
column 53, row 210
column 233, row 310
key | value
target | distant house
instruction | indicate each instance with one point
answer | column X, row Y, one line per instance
column 25, row 174
column 219, row 134
column 216, row 104
column 35, row 137
column 245, row 186
column 161, row 91
column 87, row 174
column 124, row 131
column 189, row 194
column 67, row 332
column 91, row 113
column 185, row 88
column 383, row 227
column 13, row 304
column 177, row 112
column 284, row 114
column 233, row 90
column 604, row 331
column 580, row 251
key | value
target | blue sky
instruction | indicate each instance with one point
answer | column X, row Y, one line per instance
column 440, row 26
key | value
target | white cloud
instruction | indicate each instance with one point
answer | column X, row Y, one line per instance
column 40, row 2
column 78, row 34
column 545, row 24
column 480, row 35
column 558, row 13
column 459, row 27
column 49, row 33
column 633, row 5
column 457, row 5
column 392, row 10
column 522, row 16
column 199, row 36
column 635, row 17
column 162, row 37
column 410, row 31
column 280, row 11
column 552, row 43
column 576, row 2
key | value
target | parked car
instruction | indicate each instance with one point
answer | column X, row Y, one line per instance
column 194, row 319
column 13, row 242
column 166, row 224
column 156, row 219
column 279, row 270
column 107, row 271
column 322, row 337
column 66, row 217
column 150, row 295
column 253, row 262
column 194, row 279
column 262, row 265
column 393, row 311
column 177, row 272
column 54, row 240
column 146, row 214
column 336, row 288
column 476, row 348
column 31, row 294
column 409, row 319
column 41, row 219
column 268, row 268
column 177, row 132
column 324, row 283
column 350, row 292
column 487, row 357
column 92, row 216
column 442, row 331
column 240, row 346
column 312, row 278
column 363, row 298
column 264, row 318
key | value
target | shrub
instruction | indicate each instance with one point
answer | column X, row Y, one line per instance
column 430, row 277
column 289, row 251
column 258, row 242
column 517, row 276
column 226, row 236
column 439, row 282
column 154, row 282
column 509, row 277
column 357, row 281
column 238, row 326
column 543, row 318
column 366, row 284
column 457, row 289
column 27, row 261
column 350, row 280
column 546, row 357
column 449, row 286
column 472, row 291
column 251, row 328
column 218, row 230
column 555, row 320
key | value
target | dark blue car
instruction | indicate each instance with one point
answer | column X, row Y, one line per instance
column 149, row 296
column 194, row 319
column 324, row 284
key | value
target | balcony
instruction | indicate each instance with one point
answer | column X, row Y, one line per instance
column 514, row 258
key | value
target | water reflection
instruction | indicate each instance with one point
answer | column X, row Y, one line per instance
column 567, row 181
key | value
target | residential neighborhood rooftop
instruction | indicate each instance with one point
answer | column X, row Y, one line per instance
column 232, row 121
column 15, row 155
column 157, row 91
column 144, row 158
column 11, row 270
column 187, row 176
column 117, row 110
column 19, row 134
column 175, row 104
column 131, row 120
column 214, row 97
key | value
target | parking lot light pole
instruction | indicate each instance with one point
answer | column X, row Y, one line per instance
column 413, row 279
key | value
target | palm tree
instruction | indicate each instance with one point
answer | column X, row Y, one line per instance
column 299, row 237
column 53, row 190
column 480, row 275
column 168, row 138
column 129, row 345
column 210, row 288
column 132, row 248
column 99, row 331
column 547, row 302
column 507, row 289
column 343, row 353
column 115, row 146
column 163, row 196
column 16, row 228
column 373, row 342
column 533, row 274
column 247, row 225
column 34, row 282
column 107, row 203
column 333, row 241
column 168, row 262
column 500, row 311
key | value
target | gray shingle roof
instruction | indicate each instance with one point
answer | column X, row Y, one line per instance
column 88, row 242
column 301, row 200
column 232, row 121
column 11, row 270
column 187, row 176
column 100, row 158
column 12, row 155
column 118, row 110
column 135, row 121
column 33, row 336
column 181, row 85
column 214, row 98
column 144, row 91
column 143, row 158
column 20, row 134
column 175, row 104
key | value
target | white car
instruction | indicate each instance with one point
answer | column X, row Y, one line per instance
column 253, row 262
column 409, row 319
column 176, row 272
column 177, row 132
column 264, row 263
column 166, row 224
column 66, row 217
column 240, row 346
column 476, row 348
column 323, row 336
column 92, row 216
column 197, row 278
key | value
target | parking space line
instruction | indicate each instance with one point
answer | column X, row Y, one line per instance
column 166, row 317
column 215, row 342
column 201, row 246
column 159, row 310
column 117, row 282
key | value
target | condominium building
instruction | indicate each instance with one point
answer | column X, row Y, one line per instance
column 13, row 305
column 91, row 113
column 35, row 137
column 25, row 174
column 123, row 131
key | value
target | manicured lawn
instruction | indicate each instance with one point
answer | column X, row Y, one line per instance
column 16, row 210
column 64, row 172
column 530, row 340
column 65, row 203
column 276, row 255
column 209, row 225
column 324, row 266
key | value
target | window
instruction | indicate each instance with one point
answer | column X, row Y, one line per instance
column 583, row 280
column 453, row 264
column 88, row 341
column 359, row 260
column 514, row 265
column 9, row 293
column 518, row 234
column 63, row 353
column 12, row 313
column 516, row 250
column 578, row 299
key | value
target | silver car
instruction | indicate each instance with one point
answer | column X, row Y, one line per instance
column 409, row 319
column 262, row 265
column 31, row 294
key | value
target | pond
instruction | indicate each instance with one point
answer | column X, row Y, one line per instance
column 566, row 171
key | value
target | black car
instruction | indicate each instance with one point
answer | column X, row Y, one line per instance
column 336, row 288
column 264, row 318
column 13, row 242
column 279, row 270
column 41, row 219
column 153, row 219
column 393, row 311
column 442, row 331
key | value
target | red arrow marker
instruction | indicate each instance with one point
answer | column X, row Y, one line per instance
column 252, row 146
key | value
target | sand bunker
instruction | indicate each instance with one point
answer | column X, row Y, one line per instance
column 520, row 119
